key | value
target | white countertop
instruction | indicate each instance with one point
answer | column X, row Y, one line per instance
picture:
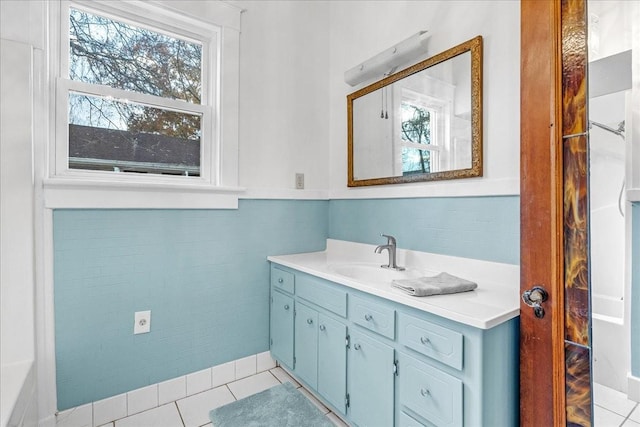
column 494, row 301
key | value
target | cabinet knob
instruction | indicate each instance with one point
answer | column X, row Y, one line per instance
column 425, row 392
column 309, row 321
column 368, row 317
column 425, row 340
column 322, row 327
column 286, row 306
column 356, row 346
column 280, row 280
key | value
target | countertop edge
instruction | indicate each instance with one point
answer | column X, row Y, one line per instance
column 486, row 323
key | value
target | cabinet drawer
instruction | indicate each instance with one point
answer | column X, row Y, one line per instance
column 373, row 316
column 435, row 341
column 430, row 393
column 322, row 294
column 283, row 280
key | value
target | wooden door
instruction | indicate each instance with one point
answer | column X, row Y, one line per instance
column 555, row 353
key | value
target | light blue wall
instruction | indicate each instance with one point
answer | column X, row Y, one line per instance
column 204, row 276
column 635, row 291
column 486, row 228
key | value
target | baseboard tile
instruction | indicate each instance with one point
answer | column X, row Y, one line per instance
column 225, row 372
column 633, row 388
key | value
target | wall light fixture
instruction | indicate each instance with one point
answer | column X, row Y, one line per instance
column 388, row 60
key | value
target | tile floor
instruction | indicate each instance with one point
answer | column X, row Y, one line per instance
column 193, row 411
column 613, row 409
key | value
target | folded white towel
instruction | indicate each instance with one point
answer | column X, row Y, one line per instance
column 443, row 283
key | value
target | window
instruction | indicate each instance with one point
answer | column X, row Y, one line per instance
column 423, row 133
column 136, row 96
column 417, row 134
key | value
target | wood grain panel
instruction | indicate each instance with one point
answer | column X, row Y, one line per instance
column 578, row 385
column 574, row 67
column 576, row 235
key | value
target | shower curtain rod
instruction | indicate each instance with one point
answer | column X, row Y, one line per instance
column 619, row 131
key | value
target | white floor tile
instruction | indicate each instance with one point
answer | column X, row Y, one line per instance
column 174, row 389
column 198, row 382
column 111, row 424
column 110, row 409
column 142, row 399
column 252, row 385
column 612, row 400
column 313, row 400
column 162, row 416
column 336, row 420
column 630, row 423
column 283, row 376
column 195, row 409
column 222, row 374
column 605, row 418
column 80, row 416
column 264, row 362
column 246, row 367
column 635, row 415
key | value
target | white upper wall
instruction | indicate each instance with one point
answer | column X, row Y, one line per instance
column 359, row 30
column 284, row 96
column 293, row 96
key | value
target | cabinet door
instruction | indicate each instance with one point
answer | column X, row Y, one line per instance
column 371, row 378
column 306, row 345
column 332, row 361
column 282, row 328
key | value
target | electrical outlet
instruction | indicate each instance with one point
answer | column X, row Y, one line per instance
column 299, row 181
column 142, row 322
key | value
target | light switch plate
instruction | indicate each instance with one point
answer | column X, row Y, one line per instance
column 142, row 322
column 299, row 181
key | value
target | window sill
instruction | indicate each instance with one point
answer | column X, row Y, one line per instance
column 64, row 193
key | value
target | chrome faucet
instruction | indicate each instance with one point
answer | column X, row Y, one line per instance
column 391, row 248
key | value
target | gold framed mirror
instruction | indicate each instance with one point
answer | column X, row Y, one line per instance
column 423, row 123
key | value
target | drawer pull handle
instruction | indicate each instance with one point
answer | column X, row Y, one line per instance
column 368, row 317
column 286, row 306
column 322, row 327
column 280, row 280
column 309, row 321
column 356, row 346
column 425, row 340
column 425, row 392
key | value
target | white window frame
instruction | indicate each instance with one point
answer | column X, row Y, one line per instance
column 440, row 128
column 67, row 187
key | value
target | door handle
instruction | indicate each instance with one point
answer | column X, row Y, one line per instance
column 534, row 298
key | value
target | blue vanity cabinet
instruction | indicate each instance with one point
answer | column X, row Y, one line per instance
column 332, row 361
column 395, row 365
column 321, row 354
column 281, row 328
column 371, row 381
column 306, row 344
column 320, row 337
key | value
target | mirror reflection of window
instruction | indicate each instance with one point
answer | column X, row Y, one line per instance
column 423, row 123
column 417, row 134
column 423, row 129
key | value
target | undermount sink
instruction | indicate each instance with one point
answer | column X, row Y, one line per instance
column 373, row 272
